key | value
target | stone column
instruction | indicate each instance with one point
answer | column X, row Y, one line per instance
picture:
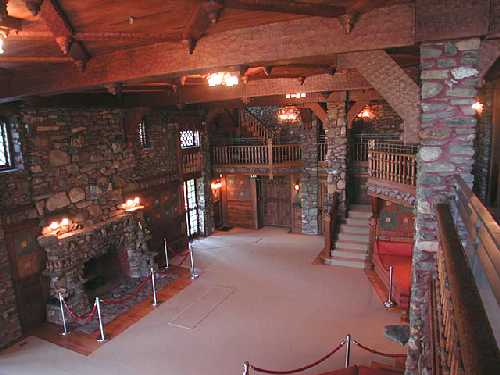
column 206, row 173
column 336, row 157
column 309, row 181
column 450, row 79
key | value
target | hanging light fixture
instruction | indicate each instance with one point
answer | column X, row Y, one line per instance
column 222, row 79
column 3, row 36
column 288, row 115
column 366, row 113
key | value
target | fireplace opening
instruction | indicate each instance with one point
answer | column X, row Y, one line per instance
column 103, row 273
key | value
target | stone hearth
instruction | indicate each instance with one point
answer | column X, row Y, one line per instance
column 67, row 255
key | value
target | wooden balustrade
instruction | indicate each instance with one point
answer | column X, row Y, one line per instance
column 192, row 161
column 462, row 338
column 358, row 151
column 393, row 162
column 270, row 154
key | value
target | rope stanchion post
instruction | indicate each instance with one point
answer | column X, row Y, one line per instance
column 165, row 248
column 63, row 316
column 102, row 335
column 153, row 286
column 194, row 273
column 246, row 368
column 348, row 350
column 390, row 303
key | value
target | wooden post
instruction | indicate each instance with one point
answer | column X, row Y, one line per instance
column 270, row 157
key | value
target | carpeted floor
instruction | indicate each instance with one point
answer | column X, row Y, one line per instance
column 259, row 298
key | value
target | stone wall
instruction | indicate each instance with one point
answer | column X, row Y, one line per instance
column 82, row 163
column 450, row 78
column 384, row 120
column 481, row 169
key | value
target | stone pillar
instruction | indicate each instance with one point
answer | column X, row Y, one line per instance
column 309, row 181
column 10, row 327
column 206, row 173
column 483, row 144
column 336, row 157
column 450, row 78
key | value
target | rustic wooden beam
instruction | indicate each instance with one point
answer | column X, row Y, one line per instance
column 489, row 52
column 58, row 24
column 261, row 46
column 35, row 59
column 285, row 6
column 204, row 15
column 354, row 111
column 318, row 111
column 11, row 23
column 27, row 35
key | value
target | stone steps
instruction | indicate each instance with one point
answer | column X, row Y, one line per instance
column 351, row 247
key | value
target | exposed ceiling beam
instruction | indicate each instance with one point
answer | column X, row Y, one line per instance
column 58, row 24
column 261, row 45
column 203, row 16
column 11, row 23
column 26, row 35
column 286, row 6
column 35, row 59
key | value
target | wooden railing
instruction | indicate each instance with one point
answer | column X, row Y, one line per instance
column 330, row 226
column 392, row 162
column 270, row 154
column 462, row 337
column 192, row 161
column 254, row 126
column 358, row 151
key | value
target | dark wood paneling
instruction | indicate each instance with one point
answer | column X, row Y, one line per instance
column 27, row 261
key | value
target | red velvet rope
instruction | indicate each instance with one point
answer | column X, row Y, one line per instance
column 128, row 296
column 322, row 359
column 377, row 352
column 83, row 318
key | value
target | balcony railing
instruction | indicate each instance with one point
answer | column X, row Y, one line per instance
column 393, row 162
column 465, row 292
column 258, row 155
column 192, row 161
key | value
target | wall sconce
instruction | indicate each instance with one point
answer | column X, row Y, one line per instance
column 216, row 185
column 3, row 36
column 132, row 204
column 478, row 107
column 296, row 187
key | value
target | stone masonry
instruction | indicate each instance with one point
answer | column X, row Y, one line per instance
column 336, row 157
column 309, row 181
column 450, row 78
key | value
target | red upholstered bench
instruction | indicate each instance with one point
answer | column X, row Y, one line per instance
column 397, row 255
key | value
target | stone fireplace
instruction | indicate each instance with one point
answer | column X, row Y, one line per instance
column 81, row 262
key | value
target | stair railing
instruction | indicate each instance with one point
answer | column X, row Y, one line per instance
column 254, row 126
column 393, row 162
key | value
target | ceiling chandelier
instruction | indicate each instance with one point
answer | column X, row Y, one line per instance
column 288, row 115
column 222, row 79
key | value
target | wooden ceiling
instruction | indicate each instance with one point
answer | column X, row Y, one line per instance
column 51, row 33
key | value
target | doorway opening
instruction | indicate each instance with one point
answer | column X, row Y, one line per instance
column 194, row 199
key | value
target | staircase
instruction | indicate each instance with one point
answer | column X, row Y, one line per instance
column 253, row 127
column 351, row 247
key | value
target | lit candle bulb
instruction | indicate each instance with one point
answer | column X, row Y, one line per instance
column 54, row 225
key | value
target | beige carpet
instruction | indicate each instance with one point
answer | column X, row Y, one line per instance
column 283, row 312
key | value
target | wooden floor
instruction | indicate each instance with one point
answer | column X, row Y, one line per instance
column 86, row 344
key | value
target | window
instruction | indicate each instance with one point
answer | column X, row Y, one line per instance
column 143, row 134
column 6, row 161
column 190, row 138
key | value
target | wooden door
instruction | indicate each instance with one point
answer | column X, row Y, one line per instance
column 277, row 201
column 27, row 262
